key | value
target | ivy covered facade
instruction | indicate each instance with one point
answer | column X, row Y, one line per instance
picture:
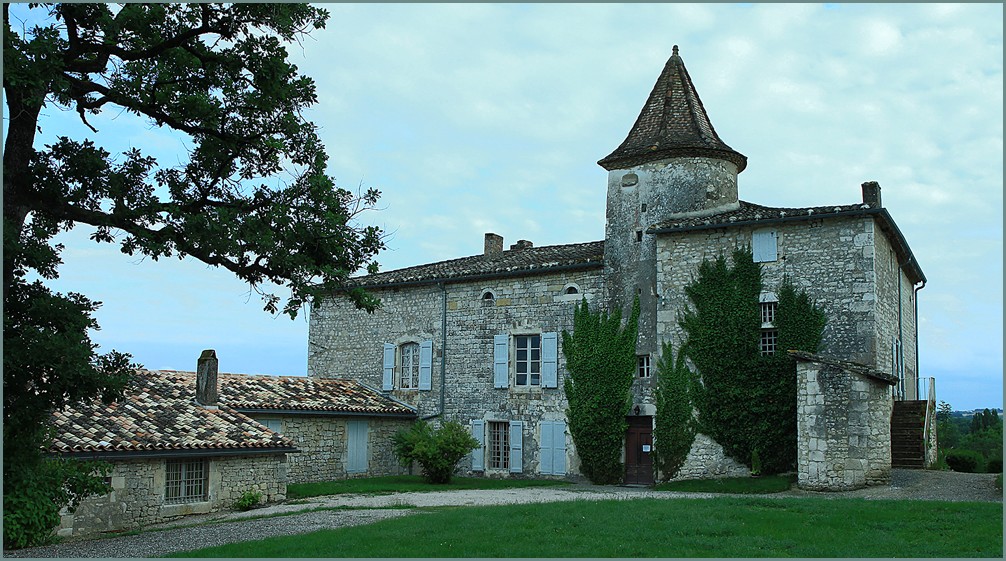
column 478, row 339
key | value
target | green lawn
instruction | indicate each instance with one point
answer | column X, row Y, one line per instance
column 406, row 483
column 739, row 485
column 721, row 527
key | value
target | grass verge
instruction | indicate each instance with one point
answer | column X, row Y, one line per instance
column 737, row 485
column 407, row 483
column 721, row 527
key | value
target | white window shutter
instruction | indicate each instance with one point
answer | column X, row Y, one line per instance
column 516, row 446
column 389, row 367
column 764, row 246
column 559, row 448
column 550, row 360
column 426, row 365
column 545, row 448
column 501, row 361
column 479, row 453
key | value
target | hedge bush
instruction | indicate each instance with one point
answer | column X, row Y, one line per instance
column 674, row 427
column 436, row 451
column 965, row 461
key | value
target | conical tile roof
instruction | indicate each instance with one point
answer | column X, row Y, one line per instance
column 672, row 124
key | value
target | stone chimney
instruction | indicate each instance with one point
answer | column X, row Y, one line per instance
column 206, row 379
column 871, row 194
column 521, row 244
column 494, row 244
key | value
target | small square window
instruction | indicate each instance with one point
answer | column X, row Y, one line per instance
column 768, row 341
column 643, row 366
column 186, row 481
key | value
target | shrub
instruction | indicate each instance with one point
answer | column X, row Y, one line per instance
column 33, row 497
column 248, row 500
column 436, row 451
column 995, row 465
column 965, row 461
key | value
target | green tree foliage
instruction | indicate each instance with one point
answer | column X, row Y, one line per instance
column 436, row 451
column 216, row 75
column 601, row 362
column 674, row 429
column 948, row 435
column 746, row 401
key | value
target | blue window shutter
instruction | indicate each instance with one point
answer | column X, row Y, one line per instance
column 425, row 365
column 763, row 246
column 545, row 449
column 479, row 453
column 356, row 436
column 501, row 361
column 550, row 360
column 389, row 367
column 559, row 448
column 516, row 446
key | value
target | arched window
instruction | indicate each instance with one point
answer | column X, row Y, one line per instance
column 408, row 366
column 571, row 290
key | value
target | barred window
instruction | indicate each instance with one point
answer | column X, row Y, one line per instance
column 187, row 481
column 499, row 445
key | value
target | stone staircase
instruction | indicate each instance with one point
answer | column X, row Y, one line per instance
column 908, row 440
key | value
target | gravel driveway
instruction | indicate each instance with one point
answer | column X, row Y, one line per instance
column 229, row 527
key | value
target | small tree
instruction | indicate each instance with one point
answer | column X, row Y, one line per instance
column 601, row 359
column 436, row 451
column 674, row 429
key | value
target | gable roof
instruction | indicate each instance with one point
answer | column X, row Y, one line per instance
column 510, row 263
column 673, row 123
column 750, row 214
column 158, row 415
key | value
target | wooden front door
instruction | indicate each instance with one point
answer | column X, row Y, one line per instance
column 638, row 451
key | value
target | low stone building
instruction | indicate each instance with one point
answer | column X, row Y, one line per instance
column 477, row 339
column 185, row 443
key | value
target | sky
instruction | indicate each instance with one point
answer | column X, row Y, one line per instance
column 475, row 118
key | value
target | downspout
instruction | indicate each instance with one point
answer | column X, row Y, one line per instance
column 918, row 373
column 901, row 338
column 443, row 356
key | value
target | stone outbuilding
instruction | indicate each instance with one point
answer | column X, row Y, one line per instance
column 185, row 443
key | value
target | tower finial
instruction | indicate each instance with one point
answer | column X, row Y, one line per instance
column 674, row 52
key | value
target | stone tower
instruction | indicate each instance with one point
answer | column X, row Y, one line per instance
column 671, row 164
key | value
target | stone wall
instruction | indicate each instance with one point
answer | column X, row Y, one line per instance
column 706, row 460
column 138, row 487
column 323, row 446
column 831, row 259
column 843, row 425
column 895, row 314
column 348, row 343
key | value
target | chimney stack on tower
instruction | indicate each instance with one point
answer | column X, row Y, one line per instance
column 871, row 194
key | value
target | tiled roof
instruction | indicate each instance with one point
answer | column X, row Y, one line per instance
column 159, row 413
column 673, row 123
column 750, row 212
column 300, row 393
column 754, row 215
column 512, row 262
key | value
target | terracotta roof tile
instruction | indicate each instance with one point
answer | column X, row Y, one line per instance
column 750, row 212
column 513, row 262
column 159, row 413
